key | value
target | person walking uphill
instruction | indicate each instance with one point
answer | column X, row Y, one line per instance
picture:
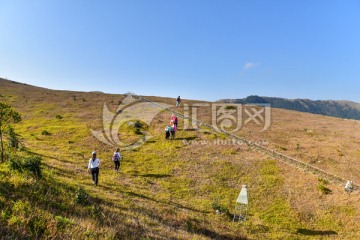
column 178, row 101
column 116, row 158
column 93, row 167
column 174, row 119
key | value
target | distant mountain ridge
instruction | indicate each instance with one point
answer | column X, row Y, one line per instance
column 340, row 109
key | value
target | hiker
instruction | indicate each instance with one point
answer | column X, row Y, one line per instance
column 174, row 119
column 178, row 101
column 173, row 129
column 116, row 158
column 93, row 167
column 167, row 132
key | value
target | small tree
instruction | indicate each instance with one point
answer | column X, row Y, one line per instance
column 7, row 116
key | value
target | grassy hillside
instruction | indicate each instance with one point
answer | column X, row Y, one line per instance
column 171, row 189
column 340, row 109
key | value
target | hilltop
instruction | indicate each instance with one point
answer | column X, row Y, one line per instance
column 171, row 189
column 340, row 109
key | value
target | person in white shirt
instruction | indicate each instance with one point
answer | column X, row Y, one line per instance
column 116, row 158
column 93, row 167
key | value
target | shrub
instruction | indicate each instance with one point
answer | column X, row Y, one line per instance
column 31, row 165
column 59, row 117
column 45, row 133
column 138, row 124
column 16, row 165
column 137, row 131
column 217, row 207
column 324, row 189
column 81, row 196
column 230, row 108
column 283, row 148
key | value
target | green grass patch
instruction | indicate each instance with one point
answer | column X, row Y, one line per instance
column 323, row 189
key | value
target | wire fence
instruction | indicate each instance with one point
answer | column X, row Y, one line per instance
column 306, row 167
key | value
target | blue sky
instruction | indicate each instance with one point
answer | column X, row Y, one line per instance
column 199, row 49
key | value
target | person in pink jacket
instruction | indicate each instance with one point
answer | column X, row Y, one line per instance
column 174, row 120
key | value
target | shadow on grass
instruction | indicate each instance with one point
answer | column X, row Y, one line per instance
column 61, row 171
column 45, row 156
column 188, row 129
column 131, row 193
column 56, row 199
column 213, row 235
column 310, row 232
column 193, row 226
column 186, row 138
column 151, row 175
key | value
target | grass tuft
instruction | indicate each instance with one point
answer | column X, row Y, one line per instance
column 324, row 190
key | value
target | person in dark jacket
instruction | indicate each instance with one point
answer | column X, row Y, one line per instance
column 178, row 101
column 116, row 158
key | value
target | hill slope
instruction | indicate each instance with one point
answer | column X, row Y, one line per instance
column 340, row 109
column 171, row 189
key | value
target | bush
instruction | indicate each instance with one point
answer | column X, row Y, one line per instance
column 137, row 127
column 81, row 196
column 59, row 117
column 283, row 148
column 45, row 133
column 31, row 165
column 137, row 131
column 217, row 207
column 16, row 165
column 230, row 108
column 138, row 124
column 324, row 189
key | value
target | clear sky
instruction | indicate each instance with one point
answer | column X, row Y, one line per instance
column 198, row 49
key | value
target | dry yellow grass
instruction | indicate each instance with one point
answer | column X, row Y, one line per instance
column 166, row 189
